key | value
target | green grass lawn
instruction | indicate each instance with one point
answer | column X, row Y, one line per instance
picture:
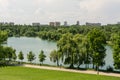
column 22, row 73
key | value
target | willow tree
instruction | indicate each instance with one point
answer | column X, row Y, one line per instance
column 86, row 50
column 97, row 43
column 55, row 56
column 78, row 52
column 66, row 45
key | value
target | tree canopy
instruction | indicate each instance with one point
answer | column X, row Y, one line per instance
column 42, row 56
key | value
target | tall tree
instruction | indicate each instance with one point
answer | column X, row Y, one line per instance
column 8, row 51
column 21, row 56
column 42, row 56
column 97, row 42
column 2, row 53
column 67, row 46
column 78, row 53
column 55, row 56
column 3, row 37
column 86, row 51
column 14, row 57
column 30, row 56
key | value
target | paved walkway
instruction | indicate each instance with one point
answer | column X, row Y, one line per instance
column 71, row 70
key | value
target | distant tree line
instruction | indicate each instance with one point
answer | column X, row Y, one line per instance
column 55, row 33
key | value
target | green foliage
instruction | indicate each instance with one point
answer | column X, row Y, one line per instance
column 85, row 49
column 116, row 52
column 42, row 56
column 30, row 56
column 20, row 55
column 79, row 52
column 97, row 41
column 67, row 46
column 2, row 54
column 9, row 51
column 71, row 48
column 79, row 49
column 30, row 34
column 3, row 36
column 14, row 56
column 55, row 56
column 6, row 55
column 55, row 33
column 72, row 41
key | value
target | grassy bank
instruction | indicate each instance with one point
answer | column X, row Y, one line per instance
column 22, row 73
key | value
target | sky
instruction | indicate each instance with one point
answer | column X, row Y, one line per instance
column 45, row 11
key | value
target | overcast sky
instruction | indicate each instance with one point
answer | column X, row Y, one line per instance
column 44, row 11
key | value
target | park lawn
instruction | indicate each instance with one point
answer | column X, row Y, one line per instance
column 23, row 73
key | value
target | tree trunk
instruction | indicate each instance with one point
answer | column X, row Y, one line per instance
column 97, row 69
column 78, row 65
column 87, row 65
column 57, row 63
column 93, row 66
column 71, row 66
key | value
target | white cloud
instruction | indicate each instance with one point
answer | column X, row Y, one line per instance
column 4, row 3
column 27, row 11
column 91, row 5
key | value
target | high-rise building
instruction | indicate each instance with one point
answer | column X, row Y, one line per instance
column 78, row 23
column 57, row 24
column 54, row 24
column 51, row 23
column 118, row 22
column 65, row 23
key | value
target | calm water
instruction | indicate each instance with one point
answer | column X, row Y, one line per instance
column 35, row 45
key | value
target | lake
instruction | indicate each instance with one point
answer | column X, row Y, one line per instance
column 26, row 44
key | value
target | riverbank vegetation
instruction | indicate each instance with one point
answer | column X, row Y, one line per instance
column 76, row 44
